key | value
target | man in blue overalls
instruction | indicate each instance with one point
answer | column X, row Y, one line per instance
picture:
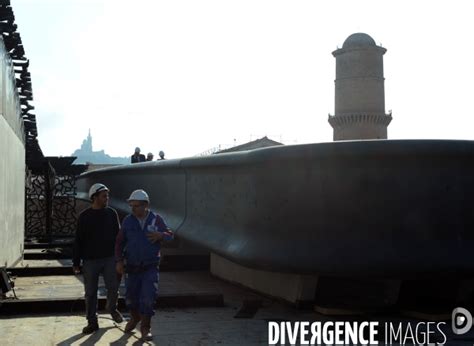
column 137, row 253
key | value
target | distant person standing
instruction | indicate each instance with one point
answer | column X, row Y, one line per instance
column 137, row 157
column 149, row 157
column 162, row 155
column 96, row 233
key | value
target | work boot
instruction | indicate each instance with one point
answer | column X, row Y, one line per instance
column 134, row 319
column 116, row 316
column 90, row 328
column 145, row 328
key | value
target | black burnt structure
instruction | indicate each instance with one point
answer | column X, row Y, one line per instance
column 50, row 185
column 50, row 199
column 15, row 48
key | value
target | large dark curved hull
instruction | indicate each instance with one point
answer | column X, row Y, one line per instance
column 391, row 209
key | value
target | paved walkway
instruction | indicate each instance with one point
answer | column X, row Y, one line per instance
column 177, row 326
column 183, row 326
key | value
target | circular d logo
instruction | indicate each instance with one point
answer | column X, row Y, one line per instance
column 462, row 321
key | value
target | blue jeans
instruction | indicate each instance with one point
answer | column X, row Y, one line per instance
column 91, row 270
column 142, row 290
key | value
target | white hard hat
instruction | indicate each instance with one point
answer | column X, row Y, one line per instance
column 139, row 195
column 97, row 188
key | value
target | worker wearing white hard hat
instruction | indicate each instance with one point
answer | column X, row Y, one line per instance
column 141, row 234
column 96, row 188
column 139, row 195
column 94, row 244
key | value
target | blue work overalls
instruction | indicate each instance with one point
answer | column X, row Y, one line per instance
column 142, row 258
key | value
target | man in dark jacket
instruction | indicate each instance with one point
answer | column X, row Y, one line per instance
column 96, row 233
column 137, row 157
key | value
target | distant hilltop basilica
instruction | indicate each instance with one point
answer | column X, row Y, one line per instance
column 86, row 155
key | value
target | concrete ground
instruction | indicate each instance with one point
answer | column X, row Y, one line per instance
column 183, row 326
column 171, row 327
column 71, row 286
column 200, row 326
column 179, row 326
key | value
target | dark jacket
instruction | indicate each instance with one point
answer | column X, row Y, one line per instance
column 137, row 158
column 96, row 233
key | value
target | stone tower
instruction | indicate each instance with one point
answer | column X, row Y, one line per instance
column 359, row 94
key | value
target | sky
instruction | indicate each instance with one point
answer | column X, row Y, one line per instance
column 187, row 76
